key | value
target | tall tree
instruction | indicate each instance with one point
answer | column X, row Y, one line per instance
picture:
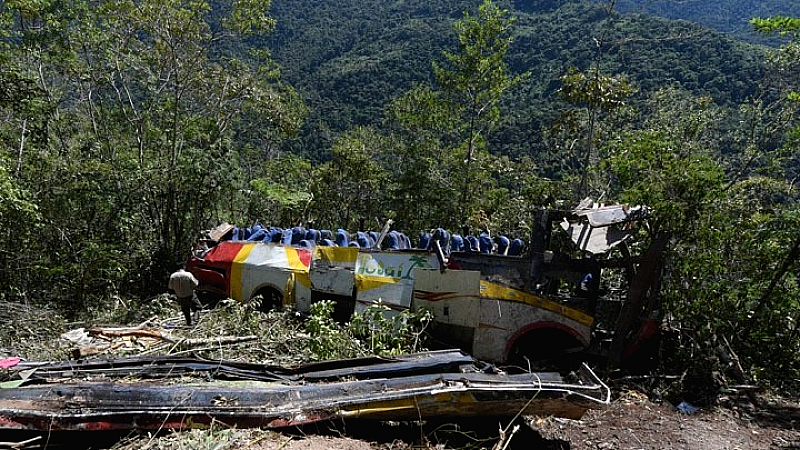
column 461, row 111
column 140, row 138
column 473, row 81
column 421, row 170
column 596, row 93
column 353, row 185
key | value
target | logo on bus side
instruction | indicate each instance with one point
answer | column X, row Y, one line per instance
column 390, row 266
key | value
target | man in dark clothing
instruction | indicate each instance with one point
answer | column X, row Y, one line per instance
column 184, row 284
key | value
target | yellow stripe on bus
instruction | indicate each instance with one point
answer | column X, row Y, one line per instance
column 293, row 260
column 336, row 255
column 236, row 271
column 495, row 291
column 367, row 282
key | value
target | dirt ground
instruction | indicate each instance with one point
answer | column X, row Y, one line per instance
column 631, row 422
column 634, row 422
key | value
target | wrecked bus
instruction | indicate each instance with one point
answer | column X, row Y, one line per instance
column 579, row 288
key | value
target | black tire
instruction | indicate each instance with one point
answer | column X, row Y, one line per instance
column 208, row 299
column 546, row 349
column 268, row 299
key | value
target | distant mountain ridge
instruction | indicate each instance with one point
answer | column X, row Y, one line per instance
column 729, row 16
column 350, row 58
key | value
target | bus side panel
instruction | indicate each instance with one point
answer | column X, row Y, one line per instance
column 388, row 277
column 332, row 270
column 502, row 321
column 453, row 297
column 273, row 265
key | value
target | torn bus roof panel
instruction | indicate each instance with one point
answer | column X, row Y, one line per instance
column 89, row 406
column 441, row 361
column 406, row 395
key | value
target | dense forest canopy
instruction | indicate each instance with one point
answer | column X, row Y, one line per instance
column 128, row 126
column 350, row 58
column 730, row 16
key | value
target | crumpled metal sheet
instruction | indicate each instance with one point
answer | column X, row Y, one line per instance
column 598, row 229
column 595, row 240
column 411, row 387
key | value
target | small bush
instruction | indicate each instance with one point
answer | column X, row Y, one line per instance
column 329, row 340
column 375, row 331
column 390, row 334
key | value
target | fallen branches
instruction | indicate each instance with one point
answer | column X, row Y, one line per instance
column 21, row 444
column 111, row 333
column 95, row 341
column 223, row 340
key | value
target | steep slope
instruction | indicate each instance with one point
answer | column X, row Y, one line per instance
column 730, row 16
column 349, row 58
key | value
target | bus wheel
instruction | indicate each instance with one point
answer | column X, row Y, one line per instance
column 208, row 299
column 546, row 349
column 268, row 299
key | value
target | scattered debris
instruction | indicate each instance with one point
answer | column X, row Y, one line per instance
column 687, row 408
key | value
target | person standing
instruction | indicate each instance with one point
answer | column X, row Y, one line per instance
column 183, row 283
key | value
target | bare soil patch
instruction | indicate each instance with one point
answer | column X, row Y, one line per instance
column 634, row 422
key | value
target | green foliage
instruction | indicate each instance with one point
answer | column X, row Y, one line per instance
column 778, row 24
column 730, row 16
column 357, row 57
column 719, row 275
column 597, row 94
column 422, row 172
column 123, row 118
column 328, row 339
column 445, row 127
column 354, row 184
column 731, row 223
column 371, row 332
column 283, row 194
column 16, row 204
column 594, row 90
column 473, row 81
column 384, row 333
column 19, row 220
column 678, row 184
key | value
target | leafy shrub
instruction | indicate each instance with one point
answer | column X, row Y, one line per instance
column 371, row 332
column 385, row 334
column 329, row 340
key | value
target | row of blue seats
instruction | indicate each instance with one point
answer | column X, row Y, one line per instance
column 309, row 238
column 482, row 243
column 394, row 240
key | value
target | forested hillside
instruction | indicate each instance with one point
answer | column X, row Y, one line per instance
column 730, row 16
column 126, row 127
column 350, row 58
